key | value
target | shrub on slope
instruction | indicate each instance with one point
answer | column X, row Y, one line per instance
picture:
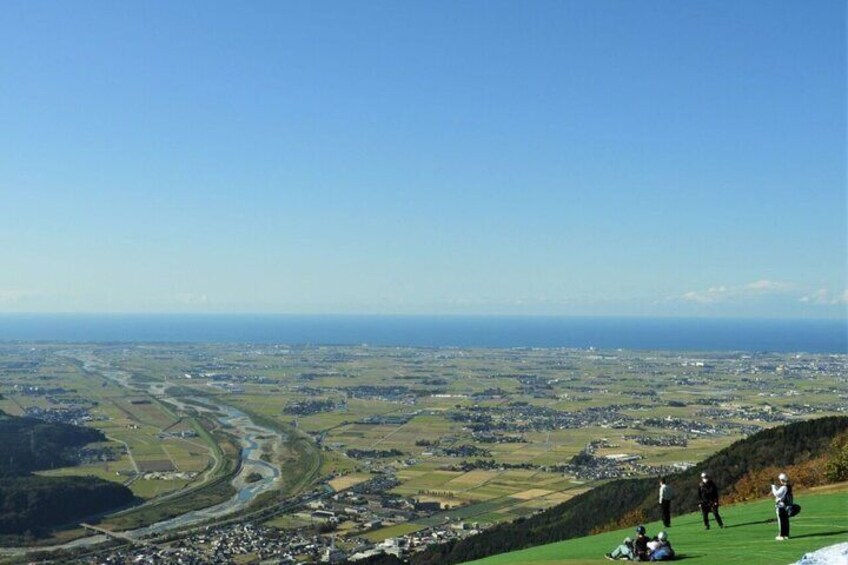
column 781, row 447
column 837, row 466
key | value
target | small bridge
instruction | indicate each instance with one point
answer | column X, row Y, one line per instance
column 116, row 535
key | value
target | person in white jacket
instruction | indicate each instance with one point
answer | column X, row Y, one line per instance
column 782, row 500
column 665, row 502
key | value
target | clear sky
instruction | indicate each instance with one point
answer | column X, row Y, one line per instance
column 569, row 157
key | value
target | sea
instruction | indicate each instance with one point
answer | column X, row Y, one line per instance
column 602, row 333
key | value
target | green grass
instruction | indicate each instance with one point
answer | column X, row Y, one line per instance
column 152, row 488
column 748, row 538
column 288, row 522
column 471, row 512
column 106, row 471
column 392, row 531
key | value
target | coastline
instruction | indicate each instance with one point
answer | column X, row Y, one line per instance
column 815, row 335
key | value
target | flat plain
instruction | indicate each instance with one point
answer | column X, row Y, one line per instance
column 487, row 434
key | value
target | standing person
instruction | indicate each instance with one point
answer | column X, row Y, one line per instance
column 782, row 500
column 708, row 494
column 665, row 502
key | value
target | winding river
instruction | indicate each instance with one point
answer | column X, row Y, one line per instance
column 252, row 438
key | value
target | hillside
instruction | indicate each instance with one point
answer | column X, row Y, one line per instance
column 634, row 500
column 29, row 444
column 30, row 505
column 748, row 538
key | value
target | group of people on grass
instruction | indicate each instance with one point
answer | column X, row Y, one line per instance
column 643, row 548
column 659, row 548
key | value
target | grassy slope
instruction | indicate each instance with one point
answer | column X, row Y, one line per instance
column 748, row 538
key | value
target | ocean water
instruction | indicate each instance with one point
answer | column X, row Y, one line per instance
column 800, row 335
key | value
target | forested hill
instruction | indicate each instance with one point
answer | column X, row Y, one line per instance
column 30, row 505
column 803, row 447
column 29, row 444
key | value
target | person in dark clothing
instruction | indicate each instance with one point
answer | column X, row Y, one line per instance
column 640, row 544
column 708, row 495
column 782, row 500
column 665, row 502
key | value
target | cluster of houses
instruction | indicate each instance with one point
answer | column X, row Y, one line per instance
column 170, row 476
column 696, row 428
column 309, row 407
column 62, row 414
column 364, row 507
column 222, row 545
column 661, row 441
column 524, row 417
column 403, row 546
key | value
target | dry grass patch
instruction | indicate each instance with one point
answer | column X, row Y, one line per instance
column 531, row 494
column 471, row 478
column 560, row 497
column 347, row 481
column 155, row 465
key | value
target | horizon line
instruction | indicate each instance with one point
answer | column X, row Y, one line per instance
column 427, row 315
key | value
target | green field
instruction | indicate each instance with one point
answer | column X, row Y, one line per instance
column 747, row 539
column 392, row 531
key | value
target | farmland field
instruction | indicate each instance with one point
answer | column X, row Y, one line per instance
column 487, row 434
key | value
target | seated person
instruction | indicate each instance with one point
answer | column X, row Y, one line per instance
column 623, row 551
column 640, row 544
column 660, row 548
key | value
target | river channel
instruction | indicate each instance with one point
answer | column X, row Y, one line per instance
column 252, row 438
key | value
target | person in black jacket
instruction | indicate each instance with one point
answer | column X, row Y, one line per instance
column 640, row 544
column 708, row 495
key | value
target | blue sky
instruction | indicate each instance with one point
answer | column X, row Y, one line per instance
column 582, row 157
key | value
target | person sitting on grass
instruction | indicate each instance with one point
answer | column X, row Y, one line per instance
column 632, row 550
column 640, row 544
column 660, row 548
column 623, row 551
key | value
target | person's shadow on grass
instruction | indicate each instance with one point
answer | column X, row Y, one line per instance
column 766, row 521
column 821, row 535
